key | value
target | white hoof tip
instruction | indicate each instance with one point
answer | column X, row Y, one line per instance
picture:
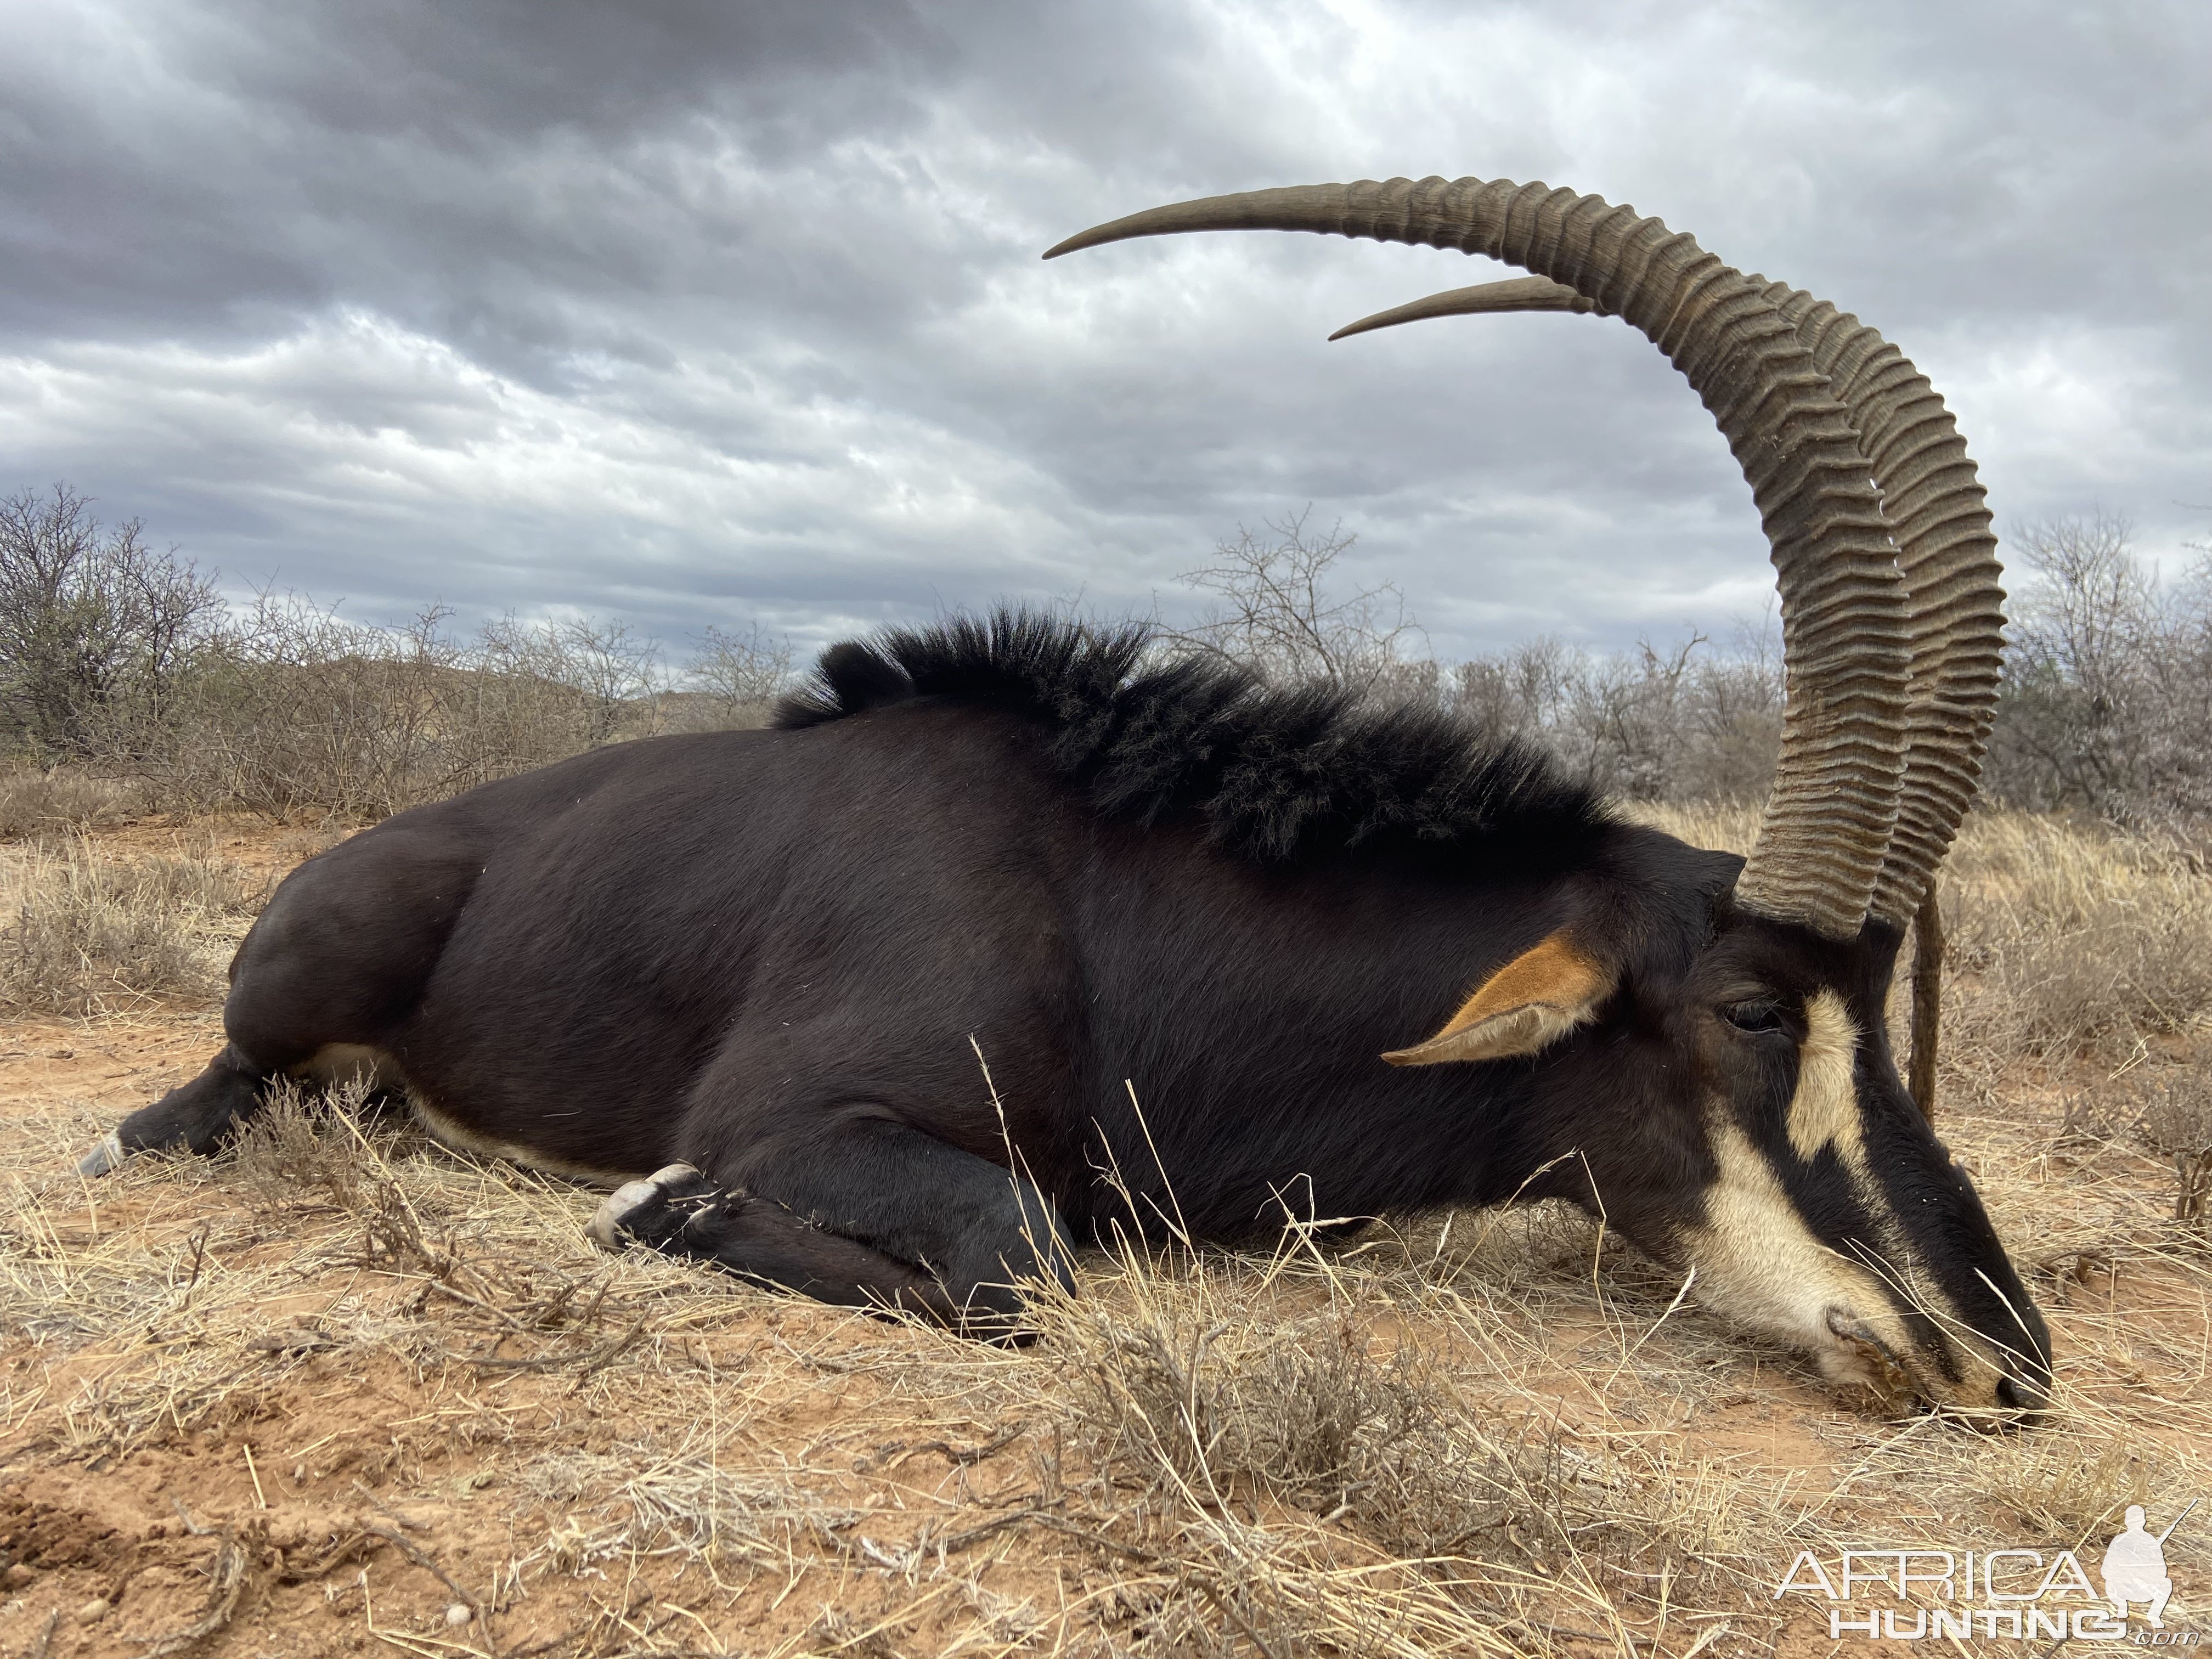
column 627, row 1199
column 104, row 1156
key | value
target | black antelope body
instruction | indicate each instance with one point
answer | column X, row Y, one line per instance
column 1349, row 958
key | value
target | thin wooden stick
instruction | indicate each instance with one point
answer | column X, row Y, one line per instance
column 1927, row 999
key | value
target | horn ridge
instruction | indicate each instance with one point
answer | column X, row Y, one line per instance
column 1941, row 525
column 1830, row 819
column 1947, row 552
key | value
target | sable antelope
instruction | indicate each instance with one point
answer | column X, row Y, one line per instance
column 1349, row 958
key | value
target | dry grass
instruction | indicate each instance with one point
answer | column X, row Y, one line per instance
column 1494, row 1435
column 2073, row 938
column 1490, row 1433
column 57, row 800
column 90, row 934
column 2175, row 1123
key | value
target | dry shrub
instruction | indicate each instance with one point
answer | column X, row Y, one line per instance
column 2073, row 938
column 2175, row 1123
column 61, row 799
column 291, row 710
column 92, row 934
column 304, row 1152
column 300, row 711
column 310, row 1150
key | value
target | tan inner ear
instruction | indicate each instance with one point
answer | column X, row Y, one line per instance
column 1533, row 1001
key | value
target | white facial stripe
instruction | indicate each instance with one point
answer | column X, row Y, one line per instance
column 1759, row 1262
column 1825, row 1110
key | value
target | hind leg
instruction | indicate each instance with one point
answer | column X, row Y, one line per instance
column 340, row 955
column 194, row 1117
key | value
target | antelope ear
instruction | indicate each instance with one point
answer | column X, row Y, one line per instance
column 1533, row 1001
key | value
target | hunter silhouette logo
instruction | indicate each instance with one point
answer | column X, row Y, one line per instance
column 2026, row 1595
column 2135, row 1566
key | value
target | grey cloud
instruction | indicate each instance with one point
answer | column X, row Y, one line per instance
column 698, row 311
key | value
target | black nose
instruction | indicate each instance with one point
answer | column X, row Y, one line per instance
column 2029, row 1400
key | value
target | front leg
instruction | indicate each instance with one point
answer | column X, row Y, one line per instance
column 679, row 1211
column 979, row 1228
column 861, row 1213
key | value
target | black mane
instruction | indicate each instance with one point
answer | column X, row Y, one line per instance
column 1276, row 774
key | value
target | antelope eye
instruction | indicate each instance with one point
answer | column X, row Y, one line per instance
column 1758, row 1015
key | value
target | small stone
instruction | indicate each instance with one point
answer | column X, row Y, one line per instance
column 17, row 1577
column 457, row 1615
column 93, row 1611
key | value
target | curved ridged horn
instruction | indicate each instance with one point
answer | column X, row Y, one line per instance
column 1514, row 294
column 1946, row 551
column 1829, row 821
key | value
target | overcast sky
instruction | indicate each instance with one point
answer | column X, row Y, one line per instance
column 709, row 312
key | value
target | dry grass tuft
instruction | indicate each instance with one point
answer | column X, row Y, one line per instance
column 1369, row 1450
column 59, row 800
column 2072, row 939
column 306, row 1152
column 92, row 934
column 2071, row 1489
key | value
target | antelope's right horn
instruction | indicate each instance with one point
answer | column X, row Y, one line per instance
column 1939, row 522
column 1834, row 807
